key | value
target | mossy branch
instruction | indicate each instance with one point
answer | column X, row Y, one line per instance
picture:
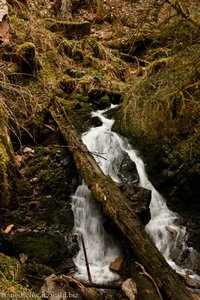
column 182, row 8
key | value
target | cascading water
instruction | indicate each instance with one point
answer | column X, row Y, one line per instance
column 162, row 218
column 101, row 248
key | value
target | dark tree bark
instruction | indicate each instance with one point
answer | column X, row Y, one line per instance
column 117, row 207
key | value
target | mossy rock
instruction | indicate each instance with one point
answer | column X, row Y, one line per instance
column 38, row 270
column 8, row 266
column 40, row 247
column 27, row 58
column 12, row 279
column 79, row 97
column 75, row 73
column 71, row 30
column 104, row 101
column 70, row 85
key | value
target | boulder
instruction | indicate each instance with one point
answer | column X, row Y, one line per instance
column 116, row 266
column 127, row 171
column 130, row 289
column 140, row 198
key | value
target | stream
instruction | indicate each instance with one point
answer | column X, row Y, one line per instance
column 109, row 149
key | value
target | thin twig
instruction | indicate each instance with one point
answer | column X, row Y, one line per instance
column 150, row 277
column 3, row 275
column 86, row 260
column 86, row 151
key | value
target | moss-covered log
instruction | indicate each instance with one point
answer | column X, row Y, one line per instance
column 117, row 207
column 7, row 164
column 71, row 30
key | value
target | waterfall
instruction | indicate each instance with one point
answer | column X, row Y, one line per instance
column 101, row 248
column 162, row 218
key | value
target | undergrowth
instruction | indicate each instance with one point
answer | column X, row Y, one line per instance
column 163, row 104
column 12, row 284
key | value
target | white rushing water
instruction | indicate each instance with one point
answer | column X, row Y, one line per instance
column 101, row 249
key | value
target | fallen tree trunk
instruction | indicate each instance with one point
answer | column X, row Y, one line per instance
column 116, row 206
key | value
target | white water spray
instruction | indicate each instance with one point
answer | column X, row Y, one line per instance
column 101, row 248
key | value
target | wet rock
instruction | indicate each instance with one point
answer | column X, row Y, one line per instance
column 171, row 230
column 67, row 266
column 191, row 282
column 116, row 266
column 127, row 171
column 95, row 122
column 193, row 261
column 194, row 238
column 130, row 289
column 104, row 102
column 139, row 197
column 97, row 93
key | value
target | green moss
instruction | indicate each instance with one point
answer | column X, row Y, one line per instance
column 77, row 55
column 87, row 61
column 38, row 247
column 4, row 160
column 79, row 97
column 71, row 30
column 11, row 278
column 27, row 58
column 26, row 49
column 38, row 270
column 104, row 101
column 68, row 84
column 8, row 266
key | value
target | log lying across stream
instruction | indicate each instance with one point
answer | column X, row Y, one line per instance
column 117, row 207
